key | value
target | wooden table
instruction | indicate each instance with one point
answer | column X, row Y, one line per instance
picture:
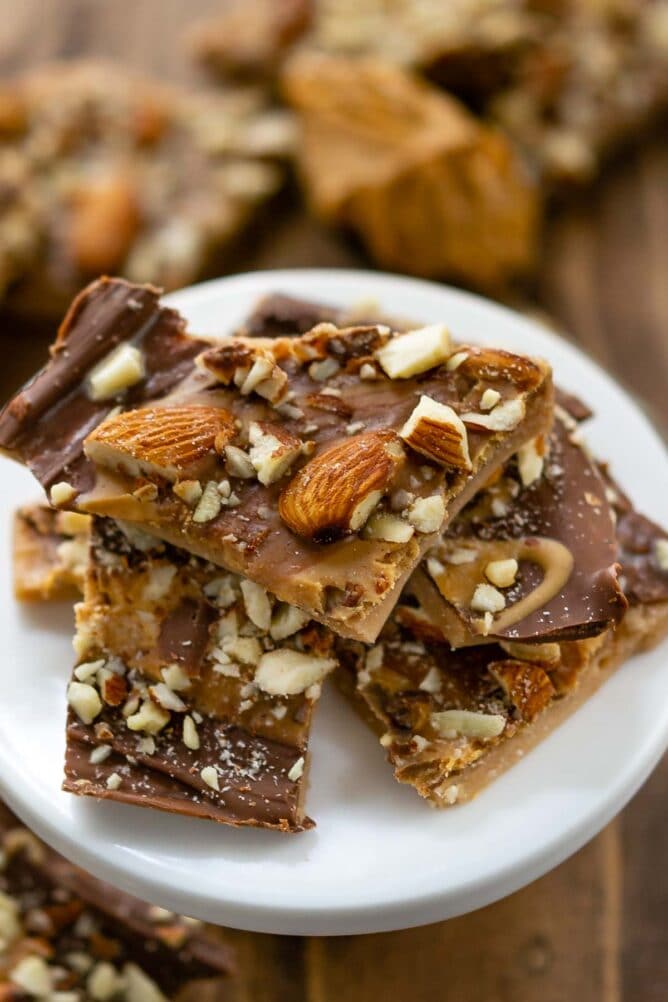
column 596, row 927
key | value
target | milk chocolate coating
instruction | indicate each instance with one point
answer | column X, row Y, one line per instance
column 172, row 951
column 643, row 580
column 568, row 504
column 277, row 314
column 184, row 634
column 253, row 773
column 45, row 424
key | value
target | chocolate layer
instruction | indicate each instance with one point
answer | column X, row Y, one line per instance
column 45, row 424
column 77, row 921
column 253, row 773
column 644, row 572
column 278, row 314
column 566, row 504
column 184, row 634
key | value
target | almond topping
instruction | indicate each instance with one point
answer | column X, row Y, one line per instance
column 427, row 514
column 503, row 417
column 489, row 399
column 273, row 450
column 174, row 443
column 529, row 463
column 190, row 491
column 210, row 776
column 190, row 735
column 468, row 724
column 286, row 621
column 486, row 598
column 258, row 606
column 409, row 354
column 62, row 493
column 297, row 770
column 209, row 504
column 387, row 527
column 150, row 718
column 250, row 367
column 502, row 573
column 237, row 463
column 84, row 700
column 166, row 698
column 120, row 370
column 436, row 431
column 335, row 493
column 285, row 672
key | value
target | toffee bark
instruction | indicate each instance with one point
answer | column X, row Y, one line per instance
column 451, row 721
column 65, row 931
column 194, row 690
column 532, row 558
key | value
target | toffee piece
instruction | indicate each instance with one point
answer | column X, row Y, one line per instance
column 50, row 553
column 105, row 172
column 194, row 690
column 451, row 721
column 66, row 934
column 531, row 558
column 335, row 455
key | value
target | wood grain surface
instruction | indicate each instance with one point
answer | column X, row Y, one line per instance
column 596, row 928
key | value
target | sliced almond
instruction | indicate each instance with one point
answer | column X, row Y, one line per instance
column 209, row 505
column 257, row 603
column 273, row 451
column 84, row 700
column 503, row 417
column 166, row 698
column 528, row 687
column 190, row 491
column 150, row 718
column 468, row 724
column 250, row 367
column 62, row 493
column 285, row 672
column 286, row 621
column 487, row 598
column 530, row 462
column 387, row 527
column 121, row 369
column 335, row 493
column 436, row 431
column 502, row 573
column 427, row 514
column 175, row 443
column 237, row 463
column 414, row 352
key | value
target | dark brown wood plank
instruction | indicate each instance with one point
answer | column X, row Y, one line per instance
column 552, row 941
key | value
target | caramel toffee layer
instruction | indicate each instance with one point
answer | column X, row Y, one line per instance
column 66, row 929
column 50, row 553
column 195, row 690
column 329, row 389
column 559, row 527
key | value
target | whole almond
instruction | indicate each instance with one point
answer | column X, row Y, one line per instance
column 334, row 494
column 169, row 442
column 104, row 221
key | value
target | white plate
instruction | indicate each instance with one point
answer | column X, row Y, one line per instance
column 380, row 858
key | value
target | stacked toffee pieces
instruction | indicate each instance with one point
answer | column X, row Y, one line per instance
column 319, row 494
column 67, row 937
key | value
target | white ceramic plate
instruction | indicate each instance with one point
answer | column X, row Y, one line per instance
column 380, row 858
